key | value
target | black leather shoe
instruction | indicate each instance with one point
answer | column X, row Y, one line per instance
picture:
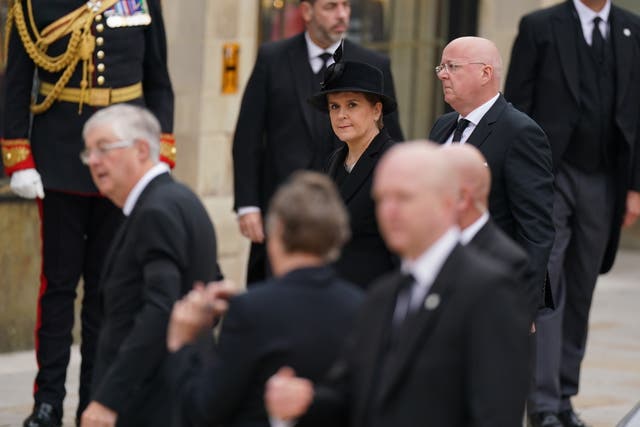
column 544, row 419
column 43, row 415
column 571, row 419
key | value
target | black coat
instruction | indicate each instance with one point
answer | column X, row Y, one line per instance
column 492, row 242
column 162, row 248
column 131, row 55
column 299, row 320
column 462, row 362
column 543, row 81
column 365, row 257
column 521, row 197
column 277, row 129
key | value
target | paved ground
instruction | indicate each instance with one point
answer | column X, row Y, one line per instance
column 610, row 376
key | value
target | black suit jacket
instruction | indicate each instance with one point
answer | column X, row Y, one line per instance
column 519, row 157
column 365, row 257
column 461, row 362
column 491, row 241
column 166, row 244
column 298, row 320
column 543, row 81
column 276, row 133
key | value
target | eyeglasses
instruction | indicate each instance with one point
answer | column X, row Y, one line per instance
column 451, row 67
column 103, row 148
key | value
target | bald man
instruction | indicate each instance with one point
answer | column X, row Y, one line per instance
column 478, row 230
column 441, row 342
column 516, row 148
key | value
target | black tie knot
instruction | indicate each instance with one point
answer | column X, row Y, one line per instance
column 325, row 57
column 597, row 41
column 460, row 127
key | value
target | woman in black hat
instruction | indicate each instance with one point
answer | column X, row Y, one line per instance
column 352, row 94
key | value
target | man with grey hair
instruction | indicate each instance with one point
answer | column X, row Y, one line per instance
column 166, row 243
column 516, row 148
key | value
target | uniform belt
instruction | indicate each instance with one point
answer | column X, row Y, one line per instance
column 95, row 96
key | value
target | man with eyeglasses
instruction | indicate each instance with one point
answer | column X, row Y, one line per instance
column 67, row 59
column 166, row 243
column 515, row 147
column 575, row 69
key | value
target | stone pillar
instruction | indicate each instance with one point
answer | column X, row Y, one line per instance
column 205, row 118
column 498, row 21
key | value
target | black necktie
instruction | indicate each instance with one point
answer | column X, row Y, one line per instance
column 403, row 300
column 460, row 127
column 597, row 41
column 325, row 58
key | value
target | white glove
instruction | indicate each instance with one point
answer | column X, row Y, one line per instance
column 27, row 183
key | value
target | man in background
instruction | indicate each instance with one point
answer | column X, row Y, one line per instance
column 575, row 69
column 278, row 131
column 514, row 146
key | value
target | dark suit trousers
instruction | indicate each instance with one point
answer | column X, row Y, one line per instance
column 76, row 234
column 582, row 214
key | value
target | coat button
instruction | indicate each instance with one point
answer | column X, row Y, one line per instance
column 100, row 28
column 100, row 80
column 98, row 18
column 101, row 68
column 100, row 41
column 100, row 54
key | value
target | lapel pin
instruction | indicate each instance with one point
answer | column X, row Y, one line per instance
column 626, row 32
column 432, row 302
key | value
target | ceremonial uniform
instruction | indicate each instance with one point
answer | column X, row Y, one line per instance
column 85, row 56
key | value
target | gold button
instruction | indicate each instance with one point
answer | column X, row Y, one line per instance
column 100, row 54
column 100, row 41
column 101, row 68
column 100, row 80
column 98, row 18
column 100, row 28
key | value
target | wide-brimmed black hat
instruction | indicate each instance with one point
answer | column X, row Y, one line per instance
column 351, row 76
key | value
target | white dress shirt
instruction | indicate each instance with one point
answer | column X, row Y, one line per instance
column 315, row 62
column 470, row 232
column 474, row 118
column 137, row 189
column 587, row 15
column 427, row 266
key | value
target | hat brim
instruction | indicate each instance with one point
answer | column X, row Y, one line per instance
column 319, row 100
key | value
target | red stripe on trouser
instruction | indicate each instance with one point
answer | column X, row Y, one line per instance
column 43, row 288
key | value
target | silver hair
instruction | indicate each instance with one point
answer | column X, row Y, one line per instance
column 128, row 122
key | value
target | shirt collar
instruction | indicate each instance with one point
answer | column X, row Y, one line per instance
column 142, row 183
column 470, row 232
column 315, row 51
column 586, row 15
column 426, row 267
column 476, row 115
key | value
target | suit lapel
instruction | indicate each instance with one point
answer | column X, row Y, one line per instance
column 566, row 36
column 113, row 249
column 416, row 330
column 622, row 38
column 300, row 70
column 122, row 231
column 444, row 127
column 363, row 168
column 485, row 126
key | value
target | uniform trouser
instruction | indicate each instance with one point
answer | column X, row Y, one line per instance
column 583, row 211
column 76, row 233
